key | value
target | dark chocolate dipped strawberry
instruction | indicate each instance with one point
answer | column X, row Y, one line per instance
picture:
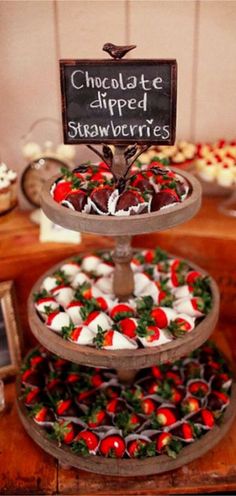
column 142, row 182
column 198, row 388
column 32, row 396
column 166, row 443
column 55, row 388
column 128, row 199
column 163, row 198
column 166, row 416
column 210, row 369
column 85, row 443
column 32, row 378
column 192, row 370
column 221, row 381
column 64, row 431
column 115, row 405
column 112, row 391
column 184, row 431
column 174, row 377
column 141, row 448
column 217, row 400
column 147, row 406
column 96, row 417
column 112, row 446
column 204, row 417
column 127, row 421
column 76, row 200
column 100, row 197
column 190, row 405
column 157, row 372
column 66, row 408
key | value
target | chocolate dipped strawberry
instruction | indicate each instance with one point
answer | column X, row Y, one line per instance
column 63, row 294
column 112, row 446
column 31, row 377
column 113, row 340
column 151, row 335
column 140, row 448
column 121, row 311
column 129, row 200
column 43, row 415
column 166, row 416
column 164, row 198
column 57, row 320
column 162, row 316
column 46, row 305
column 96, row 417
column 166, row 443
column 97, row 320
column 128, row 327
column 181, row 325
column 76, row 200
column 127, row 421
column 190, row 405
column 194, row 307
column 79, row 334
column 198, row 388
column 184, row 431
column 217, row 400
column 66, row 408
column 147, row 406
column 32, row 396
column 100, row 197
column 204, row 417
column 64, row 431
column 115, row 405
column 85, row 443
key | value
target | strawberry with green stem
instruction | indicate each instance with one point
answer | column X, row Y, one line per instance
column 141, row 448
column 112, row 446
column 190, row 405
column 64, row 432
column 85, row 443
column 96, row 417
column 112, row 340
column 166, row 443
column 121, row 311
column 127, row 421
column 181, row 325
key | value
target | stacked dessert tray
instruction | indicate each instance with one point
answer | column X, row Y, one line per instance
column 124, row 381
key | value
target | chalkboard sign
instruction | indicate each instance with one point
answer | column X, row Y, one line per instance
column 119, row 102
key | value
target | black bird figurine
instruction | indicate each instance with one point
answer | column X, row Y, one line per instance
column 116, row 51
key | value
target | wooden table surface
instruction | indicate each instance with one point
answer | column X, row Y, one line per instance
column 208, row 240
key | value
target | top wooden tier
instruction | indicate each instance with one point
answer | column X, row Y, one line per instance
column 160, row 220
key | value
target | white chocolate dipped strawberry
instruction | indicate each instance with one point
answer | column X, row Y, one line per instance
column 104, row 269
column 105, row 284
column 63, row 294
column 162, row 316
column 73, row 309
column 184, row 291
column 141, row 281
column 90, row 263
column 46, row 305
column 79, row 279
column 70, row 269
column 57, row 320
column 181, row 325
column 113, row 340
column 81, row 335
column 49, row 283
column 151, row 335
column 194, row 307
column 98, row 319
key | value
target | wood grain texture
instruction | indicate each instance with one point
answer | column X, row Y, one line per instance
column 125, row 359
column 25, row 468
column 160, row 220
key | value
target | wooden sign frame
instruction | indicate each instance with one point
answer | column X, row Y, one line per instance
column 114, row 63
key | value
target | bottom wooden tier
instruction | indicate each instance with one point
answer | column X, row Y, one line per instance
column 127, row 467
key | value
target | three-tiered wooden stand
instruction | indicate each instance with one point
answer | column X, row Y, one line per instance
column 127, row 362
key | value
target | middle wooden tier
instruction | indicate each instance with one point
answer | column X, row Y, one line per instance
column 178, row 344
